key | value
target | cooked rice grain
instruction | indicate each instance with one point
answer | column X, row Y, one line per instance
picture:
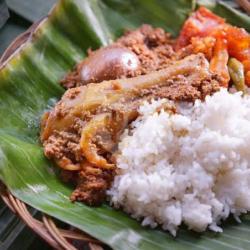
column 192, row 167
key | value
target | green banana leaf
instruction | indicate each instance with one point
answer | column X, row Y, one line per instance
column 29, row 85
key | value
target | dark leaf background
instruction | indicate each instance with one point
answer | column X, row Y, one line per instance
column 4, row 13
column 29, row 85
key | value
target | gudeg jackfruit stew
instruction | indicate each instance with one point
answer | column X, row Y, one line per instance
column 148, row 123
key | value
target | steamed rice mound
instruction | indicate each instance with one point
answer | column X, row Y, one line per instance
column 192, row 167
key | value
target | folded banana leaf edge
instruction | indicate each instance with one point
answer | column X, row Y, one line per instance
column 29, row 85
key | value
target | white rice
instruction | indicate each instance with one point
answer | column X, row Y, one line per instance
column 191, row 168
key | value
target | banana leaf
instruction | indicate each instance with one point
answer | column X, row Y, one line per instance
column 31, row 10
column 29, row 86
